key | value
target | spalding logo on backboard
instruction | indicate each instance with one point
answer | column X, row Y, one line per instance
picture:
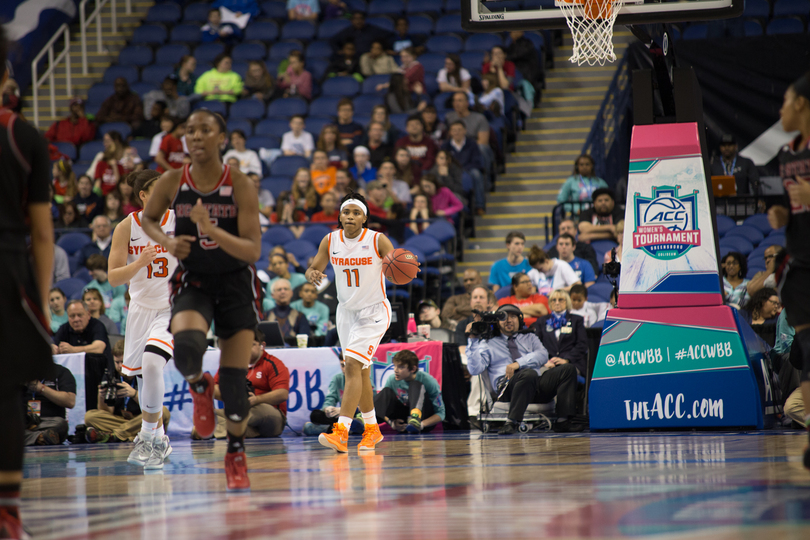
column 666, row 224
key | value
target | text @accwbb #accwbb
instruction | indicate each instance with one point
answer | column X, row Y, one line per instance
column 671, row 406
column 659, row 355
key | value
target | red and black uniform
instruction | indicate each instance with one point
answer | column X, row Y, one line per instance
column 210, row 281
column 268, row 374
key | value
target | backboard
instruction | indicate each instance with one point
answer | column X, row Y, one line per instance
column 498, row 15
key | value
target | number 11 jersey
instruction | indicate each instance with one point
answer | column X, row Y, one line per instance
column 358, row 269
column 149, row 288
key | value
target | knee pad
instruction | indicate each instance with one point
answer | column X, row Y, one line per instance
column 233, row 389
column 189, row 347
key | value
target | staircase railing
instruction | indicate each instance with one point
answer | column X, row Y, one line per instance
column 54, row 60
column 86, row 20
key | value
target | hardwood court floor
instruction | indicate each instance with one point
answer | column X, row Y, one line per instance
column 673, row 485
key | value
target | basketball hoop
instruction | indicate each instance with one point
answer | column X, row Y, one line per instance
column 591, row 23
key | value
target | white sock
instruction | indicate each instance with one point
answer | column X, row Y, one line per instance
column 345, row 421
column 158, row 432
column 148, row 429
column 370, row 417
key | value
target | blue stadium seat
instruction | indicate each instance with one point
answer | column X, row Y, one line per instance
column 186, row 33
column 366, row 102
column 73, row 242
column 135, row 55
column 432, row 7
column 442, row 230
column 247, row 109
column 142, row 147
column 170, row 54
column 167, row 12
column 281, row 50
column 89, row 150
column 384, row 22
column 420, row 24
column 601, row 291
column 142, row 88
column 444, row 44
column 472, row 59
column 156, row 73
column 264, row 31
column 212, row 105
column 757, row 9
column 257, row 142
column 386, row 7
column 449, row 24
column 784, row 26
column 503, row 292
column 197, row 12
column 431, row 84
column 736, row 243
column 318, row 49
column 452, row 6
column 536, row 38
column 240, row 68
column 482, row 42
column 70, row 286
column 332, row 27
column 696, row 31
column 277, row 184
column 724, row 224
column 356, row 5
column 277, row 235
column 441, row 100
column 272, row 126
column 318, row 67
column 370, row 83
column 303, row 30
column 399, row 120
column 206, row 52
column 774, row 232
column 341, row 87
column 601, row 247
column 752, row 28
column 757, row 257
column 82, row 274
column 245, row 52
column 69, row 149
column 752, row 234
column 773, row 240
column 130, row 73
column 287, row 107
column 791, row 8
column 275, row 9
column 122, row 128
column 315, row 233
column 240, row 124
column 433, row 61
column 287, row 165
column 324, row 106
column 760, row 222
column 80, row 167
column 316, row 123
column 301, row 249
column 149, row 34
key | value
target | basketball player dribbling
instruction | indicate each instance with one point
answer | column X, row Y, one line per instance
column 217, row 238
column 147, row 268
column 363, row 313
column 794, row 168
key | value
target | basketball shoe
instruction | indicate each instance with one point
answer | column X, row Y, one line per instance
column 414, row 425
column 205, row 421
column 371, row 436
column 143, row 449
column 338, row 440
column 161, row 449
column 236, row 471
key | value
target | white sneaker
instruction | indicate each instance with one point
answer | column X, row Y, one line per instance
column 161, row 449
column 143, row 449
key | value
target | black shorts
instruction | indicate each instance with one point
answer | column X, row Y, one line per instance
column 795, row 295
column 232, row 300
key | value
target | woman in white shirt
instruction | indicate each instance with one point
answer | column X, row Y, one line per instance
column 452, row 77
column 248, row 159
column 549, row 274
column 492, row 97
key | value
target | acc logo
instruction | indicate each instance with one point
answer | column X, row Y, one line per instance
column 666, row 224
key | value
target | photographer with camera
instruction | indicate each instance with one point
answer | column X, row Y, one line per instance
column 46, row 402
column 519, row 368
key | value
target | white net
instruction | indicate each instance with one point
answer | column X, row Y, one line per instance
column 591, row 23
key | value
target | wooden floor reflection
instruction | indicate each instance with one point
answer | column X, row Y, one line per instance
column 443, row 486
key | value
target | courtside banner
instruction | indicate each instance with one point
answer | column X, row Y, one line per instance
column 428, row 352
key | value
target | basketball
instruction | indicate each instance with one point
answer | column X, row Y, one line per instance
column 400, row 266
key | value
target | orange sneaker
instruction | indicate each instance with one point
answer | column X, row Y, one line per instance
column 204, row 419
column 338, row 440
column 371, row 436
column 236, row 471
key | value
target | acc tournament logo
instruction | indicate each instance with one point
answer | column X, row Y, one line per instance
column 666, row 224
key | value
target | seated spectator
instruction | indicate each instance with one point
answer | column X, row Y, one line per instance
column 582, row 250
column 70, row 217
column 88, row 203
column 61, row 265
column 763, row 310
column 287, row 214
column 131, row 202
column 123, row 106
column 166, row 126
column 582, row 268
column 258, row 82
column 403, row 39
column 562, row 333
column 351, row 133
column 297, row 142
column 329, row 210
column 398, row 192
column 321, row 420
column 442, row 201
column 452, row 77
column 377, row 61
column 121, row 420
column 176, row 105
column 317, row 313
column 242, row 11
column 520, row 372
column 112, row 207
column 492, row 98
column 291, row 321
column 102, row 238
column 420, row 210
column 334, row 9
column 303, row 10
column 468, row 155
column 531, row 304
column 345, row 62
column 376, row 198
column 591, row 312
column 400, row 100
column 549, row 274
column 414, row 71
column 279, row 268
column 83, row 334
column 304, row 195
column 94, row 301
column 184, row 75
column 172, row 154
column 522, row 52
column 150, row 127
column 216, row 30
column 109, row 170
column 731, row 163
column 56, row 306
column 421, row 147
column 45, row 402
column 295, row 265
column 411, row 400
column 390, row 132
column 296, row 81
column 434, row 127
column 322, row 173
column 249, row 162
column 503, row 69
column 118, row 312
column 345, row 183
column 477, row 130
column 378, row 150
column 580, row 186
column 448, row 172
column 363, row 169
column 773, row 256
column 76, row 128
column 97, row 266
column 64, row 181
column 603, row 220
column 221, row 82
column 405, row 169
column 457, row 307
column 428, row 312
column 500, row 275
column 329, row 141
column 360, row 33
column 734, row 267
column 10, row 94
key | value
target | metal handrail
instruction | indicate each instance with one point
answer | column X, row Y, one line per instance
column 53, row 61
column 85, row 21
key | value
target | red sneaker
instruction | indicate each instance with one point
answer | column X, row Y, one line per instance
column 236, row 471
column 10, row 525
column 205, row 421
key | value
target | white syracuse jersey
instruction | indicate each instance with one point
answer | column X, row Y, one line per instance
column 358, row 269
column 150, row 286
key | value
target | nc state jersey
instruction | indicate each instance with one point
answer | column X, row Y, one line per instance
column 150, row 286
column 358, row 269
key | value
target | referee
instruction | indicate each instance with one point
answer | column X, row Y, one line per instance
column 25, row 277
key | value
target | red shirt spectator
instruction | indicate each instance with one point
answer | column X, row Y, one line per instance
column 106, row 174
column 75, row 128
column 378, row 211
column 423, row 152
column 268, row 374
column 298, row 217
column 322, row 217
column 529, row 300
column 296, row 81
column 172, row 149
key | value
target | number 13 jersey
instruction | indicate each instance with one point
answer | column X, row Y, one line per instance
column 358, row 269
column 149, row 288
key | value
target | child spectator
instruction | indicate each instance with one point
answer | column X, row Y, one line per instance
column 590, row 311
column 363, row 170
column 216, row 30
column 317, row 313
column 329, row 209
column 420, row 210
column 411, row 400
column 297, row 142
column 329, row 141
column 171, row 154
column 296, row 81
column 249, row 162
column 323, row 174
column 351, row 133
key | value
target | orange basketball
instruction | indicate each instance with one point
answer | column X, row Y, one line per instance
column 400, row 266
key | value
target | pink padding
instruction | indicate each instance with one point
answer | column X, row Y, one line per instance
column 662, row 141
column 706, row 317
column 653, row 300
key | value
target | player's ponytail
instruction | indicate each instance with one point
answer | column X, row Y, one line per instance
column 141, row 180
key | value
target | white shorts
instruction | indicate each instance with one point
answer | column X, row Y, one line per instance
column 360, row 331
column 145, row 327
